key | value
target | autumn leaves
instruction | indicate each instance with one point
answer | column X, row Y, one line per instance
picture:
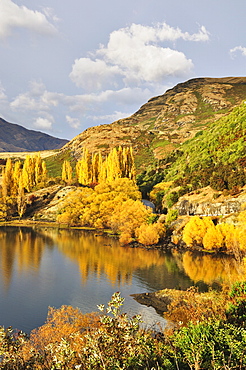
column 18, row 178
column 115, row 205
column 94, row 169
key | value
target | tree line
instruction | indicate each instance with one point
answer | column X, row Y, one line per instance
column 17, row 179
column 92, row 168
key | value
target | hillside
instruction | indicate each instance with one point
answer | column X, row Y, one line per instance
column 166, row 121
column 220, row 151
column 15, row 138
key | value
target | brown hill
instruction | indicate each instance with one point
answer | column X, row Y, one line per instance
column 166, row 121
column 15, row 138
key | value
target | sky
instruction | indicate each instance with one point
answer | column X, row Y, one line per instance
column 72, row 64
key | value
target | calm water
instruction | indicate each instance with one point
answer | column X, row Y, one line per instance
column 51, row 267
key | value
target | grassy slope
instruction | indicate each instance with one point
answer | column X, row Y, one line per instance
column 223, row 142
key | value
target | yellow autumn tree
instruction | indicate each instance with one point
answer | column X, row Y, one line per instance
column 242, row 230
column 83, row 168
column 150, row 234
column 213, row 239
column 195, row 230
column 44, row 172
column 114, row 205
column 113, row 165
column 21, row 199
column 16, row 175
column 8, row 179
column 93, row 168
column 231, row 236
column 67, row 172
column 96, row 166
column 128, row 217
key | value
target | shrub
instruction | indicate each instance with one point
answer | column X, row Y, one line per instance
column 150, row 234
column 172, row 215
column 195, row 230
column 171, row 199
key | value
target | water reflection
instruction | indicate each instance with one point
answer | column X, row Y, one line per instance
column 212, row 269
column 44, row 267
column 22, row 249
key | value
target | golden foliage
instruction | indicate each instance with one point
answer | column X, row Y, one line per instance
column 67, row 172
column 213, row 239
column 191, row 306
column 195, row 230
column 223, row 236
column 211, row 269
column 150, row 234
column 128, row 216
column 63, row 325
column 92, row 168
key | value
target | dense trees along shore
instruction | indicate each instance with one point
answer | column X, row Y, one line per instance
column 106, row 195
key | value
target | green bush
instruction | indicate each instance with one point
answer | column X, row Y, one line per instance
column 171, row 199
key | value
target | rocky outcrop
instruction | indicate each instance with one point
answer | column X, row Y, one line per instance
column 49, row 211
column 211, row 208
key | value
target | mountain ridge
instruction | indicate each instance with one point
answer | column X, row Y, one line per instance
column 16, row 138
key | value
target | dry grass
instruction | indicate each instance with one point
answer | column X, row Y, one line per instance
column 22, row 155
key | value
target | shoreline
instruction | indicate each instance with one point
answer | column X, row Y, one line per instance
column 159, row 300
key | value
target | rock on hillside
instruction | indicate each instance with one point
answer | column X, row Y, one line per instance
column 15, row 138
column 166, row 121
column 208, row 202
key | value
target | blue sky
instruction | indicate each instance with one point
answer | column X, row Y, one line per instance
column 68, row 65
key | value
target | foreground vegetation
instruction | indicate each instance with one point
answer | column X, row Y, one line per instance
column 207, row 332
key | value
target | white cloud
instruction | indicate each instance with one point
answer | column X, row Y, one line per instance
column 3, row 96
column 43, row 123
column 36, row 99
column 91, row 74
column 240, row 49
column 111, row 117
column 136, row 55
column 73, row 122
column 14, row 16
column 86, row 102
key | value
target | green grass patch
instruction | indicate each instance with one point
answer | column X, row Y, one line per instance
column 54, row 163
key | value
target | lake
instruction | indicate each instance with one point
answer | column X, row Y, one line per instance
column 42, row 267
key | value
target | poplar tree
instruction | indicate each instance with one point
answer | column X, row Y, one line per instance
column 113, row 166
column 38, row 169
column 16, row 175
column 44, row 172
column 83, row 168
column 8, row 179
column 67, row 172
column 96, row 166
column 28, row 173
column 21, row 200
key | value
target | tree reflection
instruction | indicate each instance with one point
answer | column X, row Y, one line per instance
column 212, row 269
column 99, row 255
column 22, row 250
